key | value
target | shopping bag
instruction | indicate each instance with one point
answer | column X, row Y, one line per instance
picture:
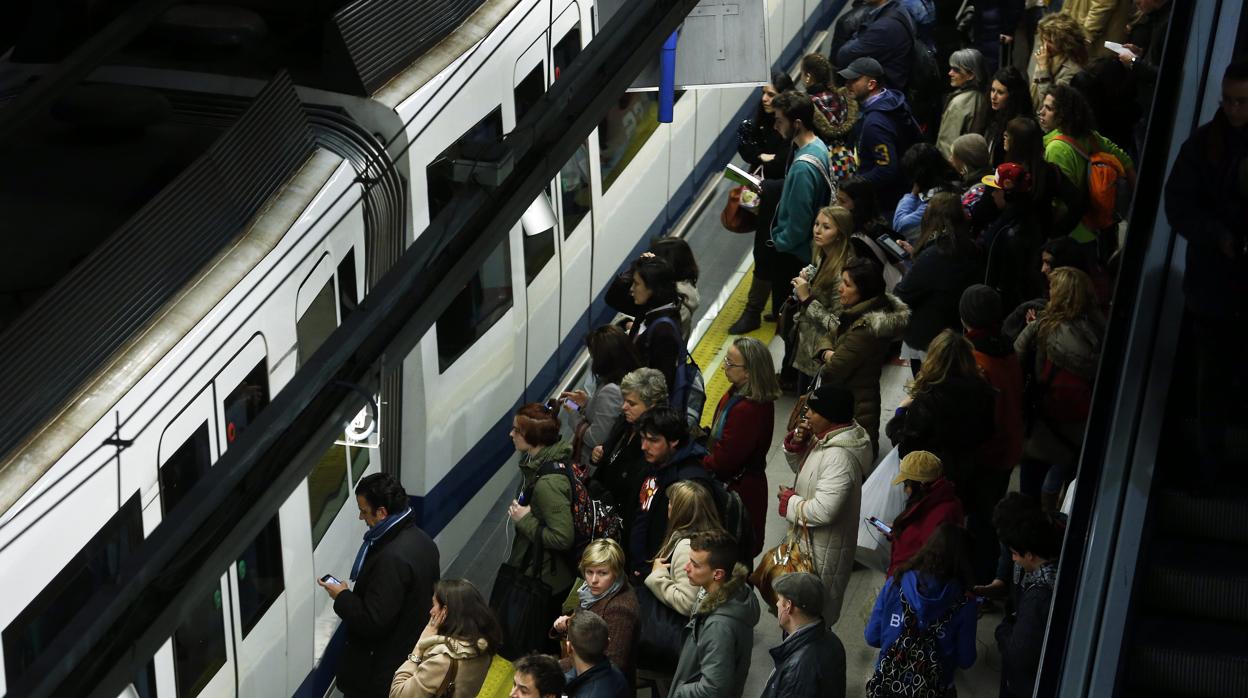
column 498, row 680
column 885, row 501
column 738, row 216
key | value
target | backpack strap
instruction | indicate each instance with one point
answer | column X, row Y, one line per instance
column 1074, row 145
column 667, row 320
column 818, row 165
column 447, row 688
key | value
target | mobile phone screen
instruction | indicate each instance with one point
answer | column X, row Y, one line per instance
column 573, row 406
column 330, row 579
column 892, row 246
column 885, row 528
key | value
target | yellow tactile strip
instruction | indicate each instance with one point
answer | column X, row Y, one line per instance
column 709, row 353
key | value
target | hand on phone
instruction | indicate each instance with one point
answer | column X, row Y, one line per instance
column 332, row 585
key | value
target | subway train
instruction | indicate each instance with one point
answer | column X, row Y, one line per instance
column 93, row 472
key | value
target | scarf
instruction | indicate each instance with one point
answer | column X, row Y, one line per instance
column 718, row 432
column 588, row 599
column 373, row 535
column 1045, row 576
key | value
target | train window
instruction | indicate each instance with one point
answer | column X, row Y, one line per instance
column 98, row 564
column 530, row 90
column 347, row 300
column 260, row 575
column 244, row 403
column 327, row 491
column 567, row 50
column 145, row 681
column 317, row 322
column 538, row 251
column 626, row 127
column 484, row 301
column 199, row 645
column 577, row 199
column 184, row 468
column 442, row 187
column 359, row 462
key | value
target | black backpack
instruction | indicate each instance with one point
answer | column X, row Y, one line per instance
column 734, row 517
column 911, row 666
column 925, row 90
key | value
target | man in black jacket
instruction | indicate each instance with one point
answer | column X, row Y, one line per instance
column 810, row 661
column 671, row 456
column 1034, row 543
column 394, row 574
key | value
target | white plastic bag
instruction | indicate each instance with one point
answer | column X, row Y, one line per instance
column 885, row 501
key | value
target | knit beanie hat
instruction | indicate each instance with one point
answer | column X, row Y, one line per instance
column 832, row 402
column 980, row 307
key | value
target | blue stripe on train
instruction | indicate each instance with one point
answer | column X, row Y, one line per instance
column 436, row 509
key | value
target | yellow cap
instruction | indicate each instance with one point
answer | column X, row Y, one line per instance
column 921, row 466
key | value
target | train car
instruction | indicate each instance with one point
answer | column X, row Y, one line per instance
column 97, row 468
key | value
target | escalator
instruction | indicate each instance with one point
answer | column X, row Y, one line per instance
column 1152, row 596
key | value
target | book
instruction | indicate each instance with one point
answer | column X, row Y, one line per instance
column 740, row 176
column 1119, row 49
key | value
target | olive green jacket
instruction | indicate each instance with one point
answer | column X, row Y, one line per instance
column 551, row 502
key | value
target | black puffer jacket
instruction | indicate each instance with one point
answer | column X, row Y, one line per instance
column 386, row 611
column 932, row 289
column 952, row 419
column 809, row 664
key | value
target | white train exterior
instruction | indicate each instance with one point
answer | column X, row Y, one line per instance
column 237, row 334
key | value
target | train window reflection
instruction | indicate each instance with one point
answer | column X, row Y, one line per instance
column 481, row 303
column 245, row 402
column 577, row 200
column 98, row 564
column 327, row 490
column 199, row 644
column 625, row 129
column 359, row 462
column 184, row 468
column 317, row 322
column 530, row 90
column 347, row 300
column 442, row 187
column 260, row 575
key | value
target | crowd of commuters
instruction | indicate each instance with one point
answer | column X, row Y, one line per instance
column 976, row 245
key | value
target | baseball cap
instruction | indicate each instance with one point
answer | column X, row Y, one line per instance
column 804, row 589
column 921, row 466
column 1010, row 176
column 862, row 66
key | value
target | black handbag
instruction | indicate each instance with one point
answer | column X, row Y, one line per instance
column 521, row 603
column 661, row 633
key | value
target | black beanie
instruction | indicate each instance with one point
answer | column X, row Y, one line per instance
column 980, row 307
column 833, row 403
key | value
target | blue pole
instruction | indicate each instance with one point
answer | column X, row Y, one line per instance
column 667, row 78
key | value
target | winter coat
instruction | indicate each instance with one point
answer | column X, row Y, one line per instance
column 1072, row 164
column 618, row 474
column 1075, row 347
column 719, row 640
column 1104, row 20
column 757, row 137
column 859, row 350
column 835, row 113
column 919, row 520
column 689, row 301
column 551, row 500
column 908, row 215
column 887, row 36
column 810, row 663
column 659, row 344
column 994, row 354
column 953, row 419
column 1205, row 202
column 650, row 523
column 600, row 413
column 421, row 676
column 992, row 19
column 930, row 599
column 818, row 317
column 966, row 111
column 932, row 289
column 1012, row 244
column 671, row 585
column 602, row 680
column 827, row 499
column 738, row 458
column 1049, row 74
column 385, row 613
column 620, row 612
column 805, row 192
column 1021, row 637
column 886, row 130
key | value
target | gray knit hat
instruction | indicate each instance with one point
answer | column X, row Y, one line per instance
column 980, row 307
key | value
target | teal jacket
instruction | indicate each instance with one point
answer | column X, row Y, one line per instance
column 805, row 192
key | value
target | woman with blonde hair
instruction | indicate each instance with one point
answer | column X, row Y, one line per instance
column 690, row 510
column 606, row 592
column 1061, row 53
column 816, row 288
column 741, row 430
column 1060, row 349
column 462, row 632
column 950, row 409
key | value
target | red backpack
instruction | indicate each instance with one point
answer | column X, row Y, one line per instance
column 1105, row 176
column 1067, row 397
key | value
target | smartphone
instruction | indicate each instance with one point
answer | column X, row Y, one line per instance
column 884, row 528
column 330, row 579
column 893, row 248
column 572, row 405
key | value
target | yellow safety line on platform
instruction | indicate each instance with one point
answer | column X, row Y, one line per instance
column 714, row 344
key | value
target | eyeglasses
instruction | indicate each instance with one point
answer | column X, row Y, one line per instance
column 729, row 364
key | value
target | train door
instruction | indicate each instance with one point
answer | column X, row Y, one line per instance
column 574, row 199
column 203, row 657
column 256, row 579
column 541, row 245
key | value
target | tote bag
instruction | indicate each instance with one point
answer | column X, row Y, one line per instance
column 661, row 633
column 885, row 501
column 522, row 603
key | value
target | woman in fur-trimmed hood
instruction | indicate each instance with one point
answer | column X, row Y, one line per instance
column 870, row 322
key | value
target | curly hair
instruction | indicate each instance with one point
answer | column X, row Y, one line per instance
column 1072, row 296
column 950, row 354
column 1068, row 37
column 1074, row 114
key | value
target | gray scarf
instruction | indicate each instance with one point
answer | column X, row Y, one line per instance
column 588, row 599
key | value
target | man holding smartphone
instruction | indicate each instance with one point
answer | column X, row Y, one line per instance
column 394, row 574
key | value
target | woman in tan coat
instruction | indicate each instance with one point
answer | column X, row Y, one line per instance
column 830, row 454
column 1061, row 52
column 453, row 654
column 690, row 510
